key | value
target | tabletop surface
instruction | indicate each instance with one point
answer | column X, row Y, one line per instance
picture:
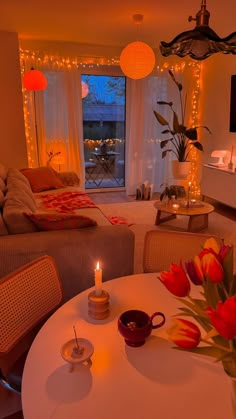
column 152, row 381
column 203, row 208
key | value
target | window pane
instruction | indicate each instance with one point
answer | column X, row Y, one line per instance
column 104, row 130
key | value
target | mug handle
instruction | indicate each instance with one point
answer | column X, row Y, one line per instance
column 158, row 313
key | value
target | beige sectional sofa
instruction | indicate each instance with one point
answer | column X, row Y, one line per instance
column 75, row 250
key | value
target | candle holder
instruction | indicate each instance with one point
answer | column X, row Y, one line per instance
column 98, row 305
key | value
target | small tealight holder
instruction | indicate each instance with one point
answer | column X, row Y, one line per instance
column 98, row 305
column 175, row 207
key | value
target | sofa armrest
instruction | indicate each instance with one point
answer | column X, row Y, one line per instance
column 69, row 178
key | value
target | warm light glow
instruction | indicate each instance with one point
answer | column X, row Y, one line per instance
column 57, row 148
column 137, row 60
column 34, row 80
column 85, row 89
column 29, row 57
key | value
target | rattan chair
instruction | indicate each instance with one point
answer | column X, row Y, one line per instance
column 163, row 247
column 28, row 297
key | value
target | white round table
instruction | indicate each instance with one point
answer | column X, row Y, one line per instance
column 152, row 381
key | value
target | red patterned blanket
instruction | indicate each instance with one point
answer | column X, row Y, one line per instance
column 69, row 202
column 65, row 201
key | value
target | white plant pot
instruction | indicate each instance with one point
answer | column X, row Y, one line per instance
column 180, row 170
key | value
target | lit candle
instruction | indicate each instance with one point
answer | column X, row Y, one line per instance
column 175, row 207
column 98, row 279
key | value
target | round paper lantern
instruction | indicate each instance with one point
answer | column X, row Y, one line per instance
column 34, row 80
column 137, row 60
column 85, row 89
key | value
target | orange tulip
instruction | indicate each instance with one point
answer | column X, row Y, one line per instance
column 224, row 317
column 184, row 333
column 176, row 281
column 211, row 266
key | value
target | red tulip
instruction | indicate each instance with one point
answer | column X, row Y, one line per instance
column 184, row 333
column 224, row 251
column 210, row 265
column 224, row 317
column 176, row 281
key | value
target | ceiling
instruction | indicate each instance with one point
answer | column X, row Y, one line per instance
column 109, row 22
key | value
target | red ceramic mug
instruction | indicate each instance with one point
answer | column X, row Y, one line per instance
column 136, row 325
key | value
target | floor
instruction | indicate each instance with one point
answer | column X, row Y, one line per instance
column 10, row 402
column 120, row 196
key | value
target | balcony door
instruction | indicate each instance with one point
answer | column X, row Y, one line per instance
column 103, row 104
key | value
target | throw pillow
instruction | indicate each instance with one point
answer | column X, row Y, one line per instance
column 47, row 222
column 42, row 179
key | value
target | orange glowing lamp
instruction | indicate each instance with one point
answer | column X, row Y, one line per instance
column 137, row 60
column 34, row 80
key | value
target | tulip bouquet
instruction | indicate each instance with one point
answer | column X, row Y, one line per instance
column 213, row 331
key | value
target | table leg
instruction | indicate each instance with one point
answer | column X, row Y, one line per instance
column 163, row 219
column 193, row 226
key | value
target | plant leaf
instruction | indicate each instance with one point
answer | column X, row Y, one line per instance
column 162, row 102
column 197, row 145
column 191, row 133
column 160, row 118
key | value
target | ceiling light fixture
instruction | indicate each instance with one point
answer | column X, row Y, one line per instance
column 201, row 42
column 137, row 59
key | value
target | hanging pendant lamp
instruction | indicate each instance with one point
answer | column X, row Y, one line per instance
column 35, row 80
column 201, row 42
column 137, row 59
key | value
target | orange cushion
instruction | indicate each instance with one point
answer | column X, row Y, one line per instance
column 60, row 221
column 42, row 179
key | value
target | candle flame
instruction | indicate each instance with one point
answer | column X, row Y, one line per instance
column 98, row 266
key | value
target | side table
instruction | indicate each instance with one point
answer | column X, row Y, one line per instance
column 198, row 215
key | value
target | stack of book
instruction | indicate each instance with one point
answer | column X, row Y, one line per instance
column 144, row 191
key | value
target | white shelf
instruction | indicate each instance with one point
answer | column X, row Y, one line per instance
column 219, row 183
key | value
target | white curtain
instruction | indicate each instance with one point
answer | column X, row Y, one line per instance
column 57, row 118
column 144, row 160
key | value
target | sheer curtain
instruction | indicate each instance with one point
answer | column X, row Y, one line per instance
column 143, row 153
column 57, row 117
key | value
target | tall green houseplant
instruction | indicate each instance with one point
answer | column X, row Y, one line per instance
column 182, row 139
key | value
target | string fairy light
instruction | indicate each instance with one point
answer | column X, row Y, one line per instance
column 37, row 59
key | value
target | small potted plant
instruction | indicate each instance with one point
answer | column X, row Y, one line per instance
column 182, row 139
column 172, row 191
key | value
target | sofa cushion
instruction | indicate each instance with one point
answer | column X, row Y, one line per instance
column 2, row 185
column 3, row 172
column 69, row 178
column 1, row 198
column 60, row 221
column 16, row 181
column 16, row 174
column 42, row 178
column 15, row 203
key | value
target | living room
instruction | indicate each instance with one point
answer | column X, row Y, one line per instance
column 96, row 37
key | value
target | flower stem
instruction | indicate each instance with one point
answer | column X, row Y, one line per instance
column 215, row 345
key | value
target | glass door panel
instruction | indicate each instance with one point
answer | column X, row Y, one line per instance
column 103, row 103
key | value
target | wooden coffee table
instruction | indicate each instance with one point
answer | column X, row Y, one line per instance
column 198, row 216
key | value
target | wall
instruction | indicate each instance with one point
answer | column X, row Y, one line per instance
column 215, row 103
column 12, row 140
